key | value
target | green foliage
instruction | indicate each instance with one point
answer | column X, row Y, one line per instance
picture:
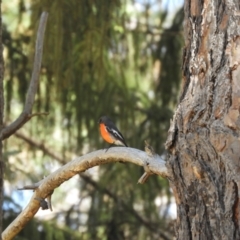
column 100, row 58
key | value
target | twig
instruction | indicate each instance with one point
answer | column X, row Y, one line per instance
column 49, row 201
column 31, row 187
column 151, row 153
column 81, row 164
column 42, row 201
column 26, row 113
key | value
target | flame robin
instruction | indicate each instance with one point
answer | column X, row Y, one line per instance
column 110, row 133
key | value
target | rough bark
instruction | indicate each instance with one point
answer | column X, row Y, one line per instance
column 203, row 140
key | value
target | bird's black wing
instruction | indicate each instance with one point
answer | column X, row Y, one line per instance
column 116, row 133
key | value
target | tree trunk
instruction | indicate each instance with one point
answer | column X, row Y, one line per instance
column 204, row 137
column 1, row 121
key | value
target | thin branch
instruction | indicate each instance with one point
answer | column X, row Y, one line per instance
column 26, row 113
column 78, row 165
column 39, row 114
column 40, row 146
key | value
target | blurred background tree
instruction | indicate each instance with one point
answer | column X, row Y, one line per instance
column 105, row 57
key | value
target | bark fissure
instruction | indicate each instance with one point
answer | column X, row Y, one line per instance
column 235, row 216
column 220, row 13
column 188, row 222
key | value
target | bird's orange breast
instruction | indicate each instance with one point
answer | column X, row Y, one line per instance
column 105, row 134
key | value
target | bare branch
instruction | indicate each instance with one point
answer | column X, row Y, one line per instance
column 39, row 114
column 31, row 187
column 39, row 145
column 144, row 177
column 80, row 164
column 26, row 113
column 93, row 183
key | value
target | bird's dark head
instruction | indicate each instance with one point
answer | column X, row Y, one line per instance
column 103, row 119
column 100, row 120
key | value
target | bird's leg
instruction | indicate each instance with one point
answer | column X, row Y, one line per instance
column 109, row 147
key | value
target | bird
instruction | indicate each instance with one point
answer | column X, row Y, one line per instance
column 110, row 133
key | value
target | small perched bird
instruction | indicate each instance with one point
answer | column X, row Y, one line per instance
column 110, row 133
